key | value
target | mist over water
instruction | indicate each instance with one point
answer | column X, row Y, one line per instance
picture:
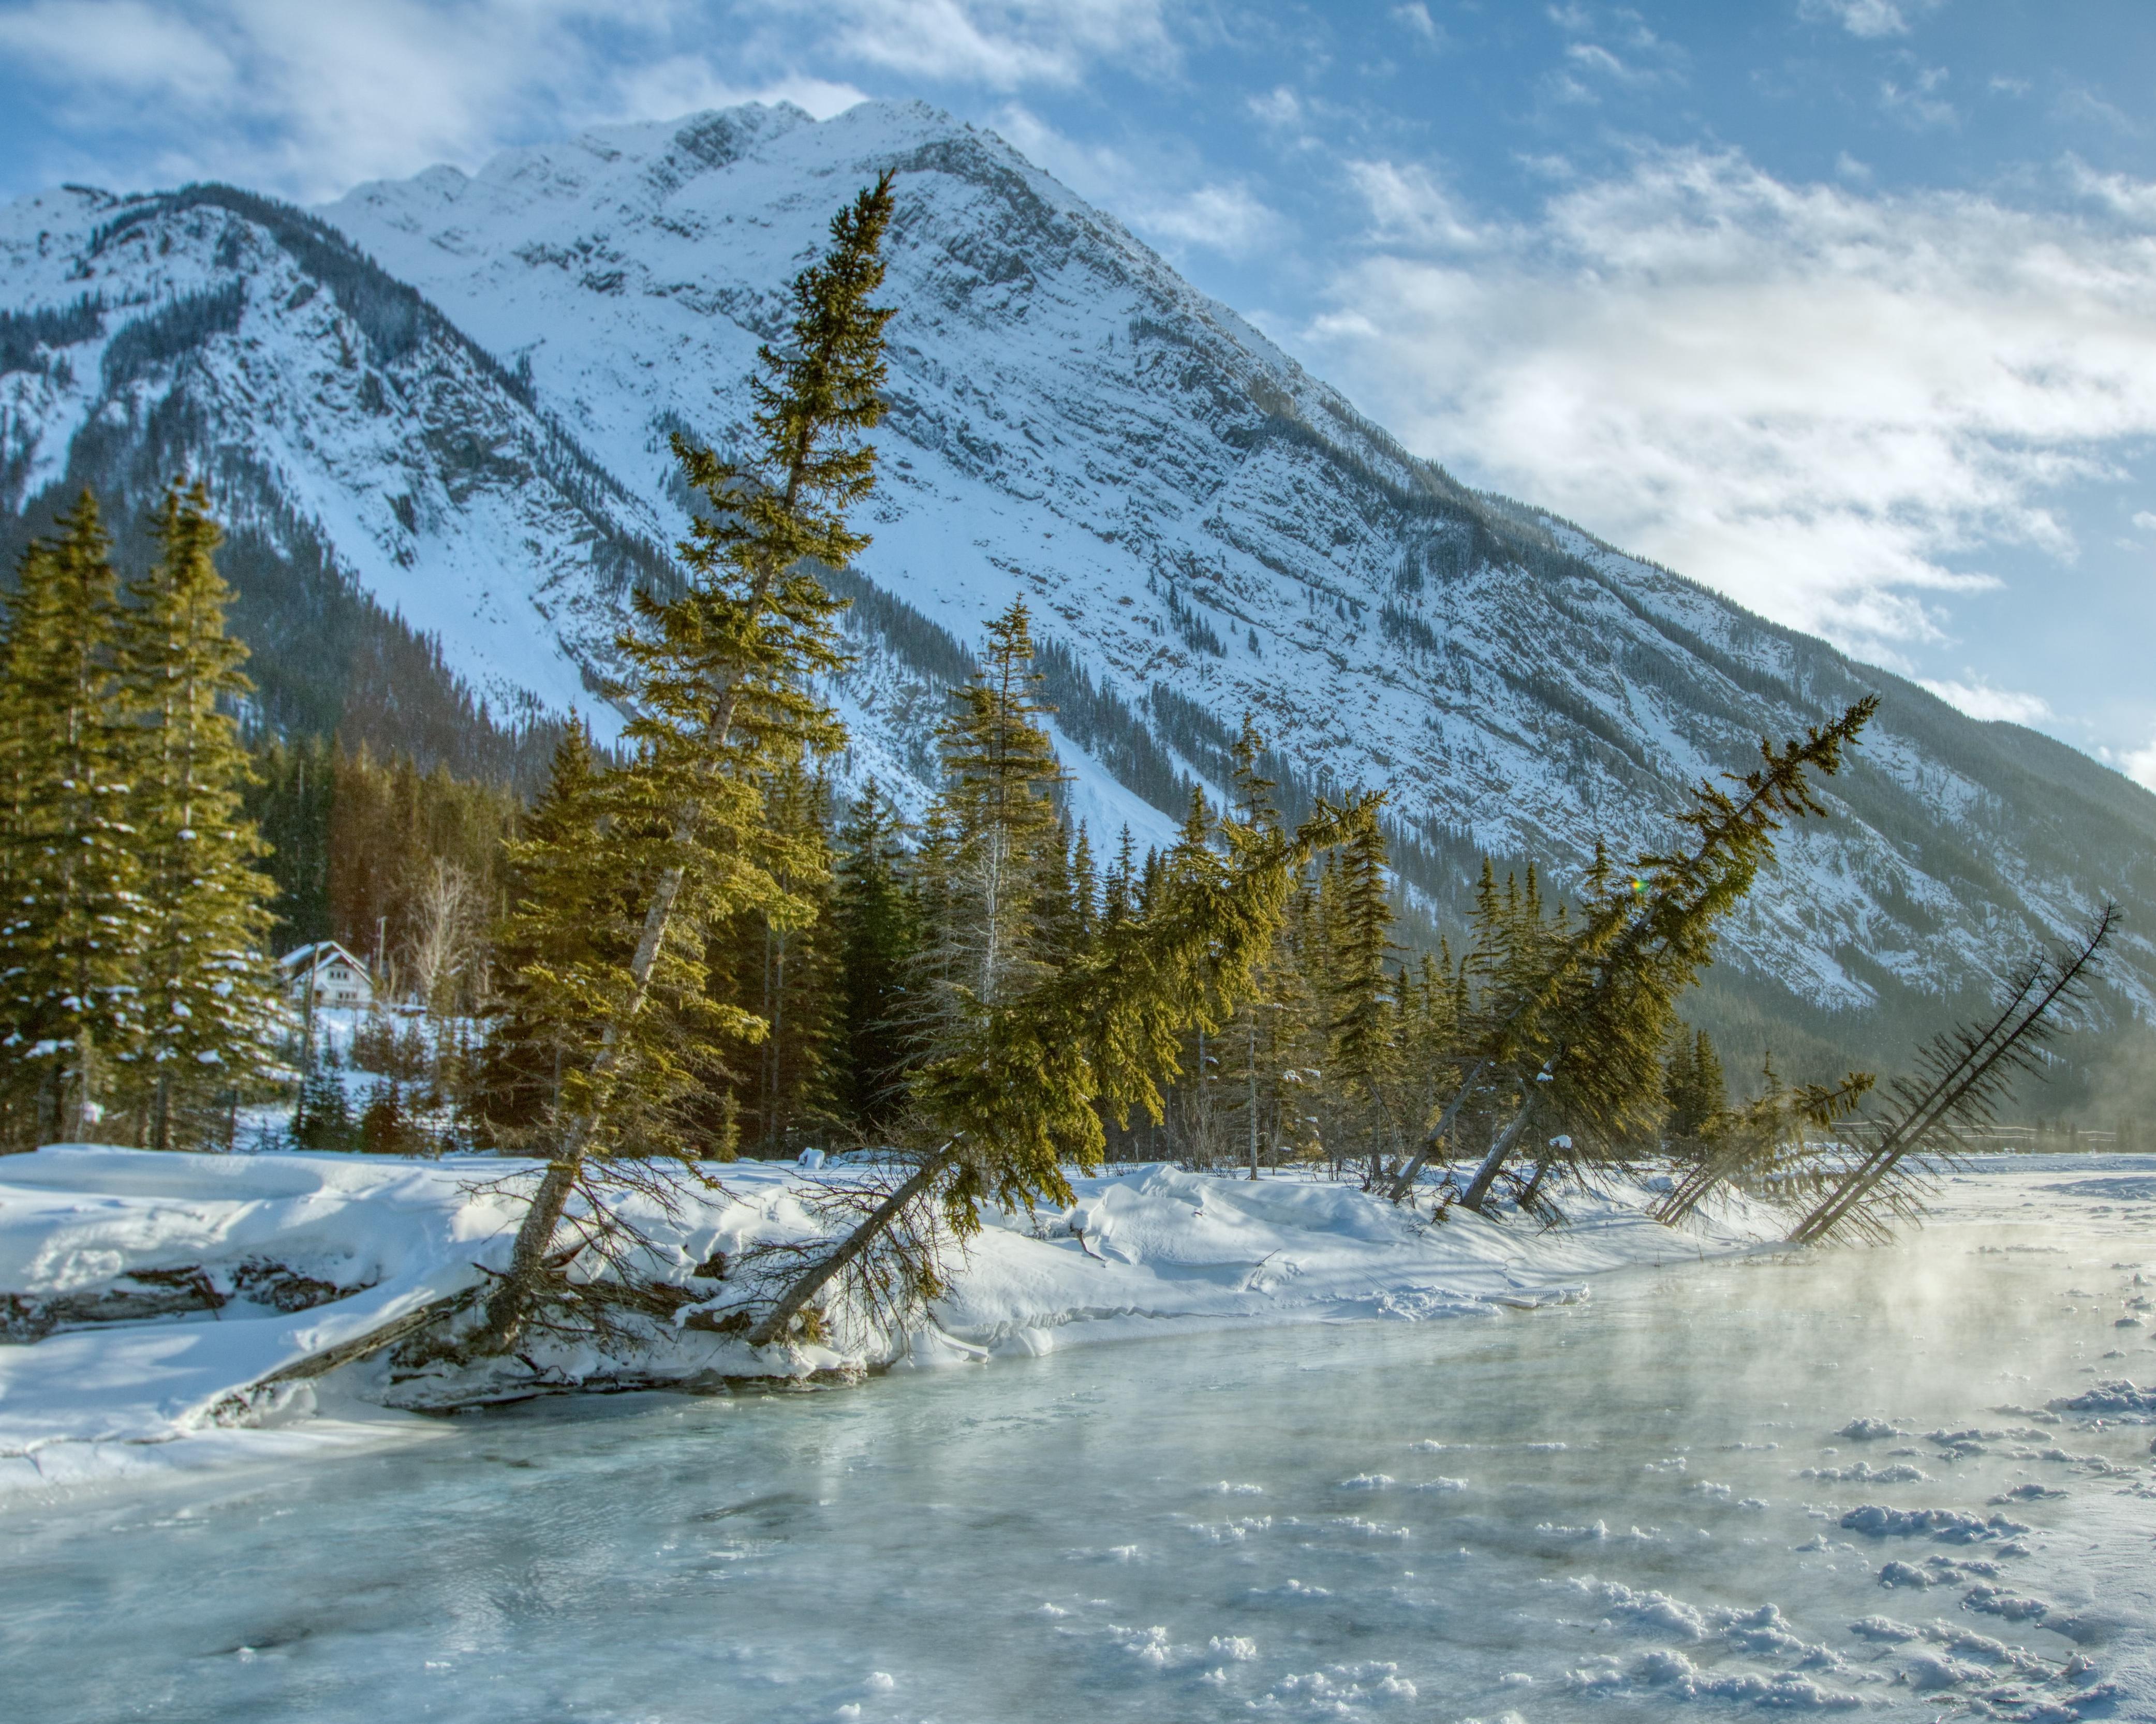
column 1634, row 1507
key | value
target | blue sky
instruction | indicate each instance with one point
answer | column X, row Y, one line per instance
column 1845, row 307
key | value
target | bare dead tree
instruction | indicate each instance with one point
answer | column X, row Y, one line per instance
column 445, row 905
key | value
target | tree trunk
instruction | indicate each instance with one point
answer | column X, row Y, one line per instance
column 1436, row 1136
column 1486, row 1176
column 812, row 1281
column 508, row 1308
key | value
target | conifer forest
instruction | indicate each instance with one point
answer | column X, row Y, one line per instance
column 779, row 942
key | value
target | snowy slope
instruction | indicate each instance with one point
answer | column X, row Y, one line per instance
column 1202, row 528
column 229, row 337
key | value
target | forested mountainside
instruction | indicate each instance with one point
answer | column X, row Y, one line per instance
column 448, row 470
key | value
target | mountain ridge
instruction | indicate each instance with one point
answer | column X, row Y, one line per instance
column 1202, row 526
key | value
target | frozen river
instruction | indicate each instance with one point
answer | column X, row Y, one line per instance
column 1645, row 1506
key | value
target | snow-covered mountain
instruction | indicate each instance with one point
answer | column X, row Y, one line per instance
column 474, row 434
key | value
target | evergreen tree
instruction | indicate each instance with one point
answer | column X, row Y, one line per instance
column 1362, row 1061
column 323, row 1119
column 1085, row 893
column 998, row 883
column 719, row 681
column 1200, row 1121
column 386, row 1126
column 1118, row 886
column 206, row 1016
column 71, row 947
column 1693, row 1085
column 879, row 935
column 565, row 912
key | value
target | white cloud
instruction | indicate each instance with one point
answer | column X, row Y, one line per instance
column 2079, row 104
column 1592, row 57
column 306, row 100
column 1818, row 399
column 1918, row 104
column 2139, row 764
column 1230, row 218
column 684, row 84
column 1003, row 45
column 1408, row 205
column 1980, row 700
column 1869, row 18
column 1416, row 19
column 2145, row 520
column 120, row 44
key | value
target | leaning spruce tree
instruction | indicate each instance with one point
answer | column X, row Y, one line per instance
column 1577, row 1034
column 717, row 688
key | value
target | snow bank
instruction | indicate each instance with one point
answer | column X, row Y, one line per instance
column 82, row 1219
column 361, row 1240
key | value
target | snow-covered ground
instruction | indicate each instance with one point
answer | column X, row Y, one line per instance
column 371, row 1238
column 1910, row 1484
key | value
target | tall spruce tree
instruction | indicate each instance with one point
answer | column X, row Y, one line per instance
column 71, row 946
column 558, row 872
column 996, row 864
column 1253, row 1069
column 720, row 684
column 206, row 1011
column 878, row 921
column 1362, row 1062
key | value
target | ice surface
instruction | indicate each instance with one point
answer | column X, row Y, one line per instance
column 1158, row 1532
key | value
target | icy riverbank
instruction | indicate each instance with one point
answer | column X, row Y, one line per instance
column 1900, row 1484
column 148, row 1292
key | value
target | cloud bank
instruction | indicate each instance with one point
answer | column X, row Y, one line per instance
column 309, row 100
column 1822, row 402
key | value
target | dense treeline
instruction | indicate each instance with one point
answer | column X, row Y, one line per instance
column 375, row 854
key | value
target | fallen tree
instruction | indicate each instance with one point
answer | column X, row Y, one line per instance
column 1962, row 1075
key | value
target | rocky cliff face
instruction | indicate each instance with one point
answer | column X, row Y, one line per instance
column 477, row 430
